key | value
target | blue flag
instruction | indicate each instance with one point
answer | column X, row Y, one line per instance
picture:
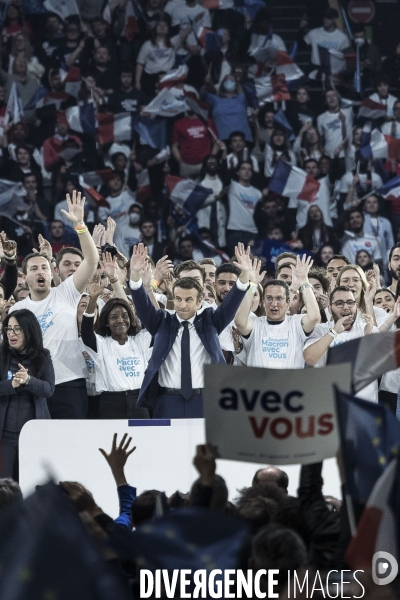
column 37, row 96
column 370, row 439
column 152, row 131
column 281, row 121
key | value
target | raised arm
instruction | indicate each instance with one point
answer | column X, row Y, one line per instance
column 88, row 267
column 111, row 269
column 300, row 274
column 10, row 277
column 146, row 312
column 242, row 321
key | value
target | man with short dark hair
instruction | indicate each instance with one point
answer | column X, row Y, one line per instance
column 354, row 238
column 55, row 310
column 335, row 264
column 148, row 235
column 190, row 268
column 276, row 341
column 184, row 341
column 345, row 327
column 394, row 266
column 210, row 269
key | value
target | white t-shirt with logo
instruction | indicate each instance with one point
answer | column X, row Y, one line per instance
column 330, row 126
column 120, row 367
column 276, row 346
column 242, row 202
column 333, row 40
column 370, row 392
column 57, row 318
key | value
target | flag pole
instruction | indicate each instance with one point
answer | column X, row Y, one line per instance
column 350, row 513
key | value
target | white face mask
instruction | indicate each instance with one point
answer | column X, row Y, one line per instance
column 134, row 218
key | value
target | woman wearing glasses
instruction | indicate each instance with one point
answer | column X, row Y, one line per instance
column 26, row 380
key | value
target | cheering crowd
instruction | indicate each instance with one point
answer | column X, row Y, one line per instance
column 170, row 197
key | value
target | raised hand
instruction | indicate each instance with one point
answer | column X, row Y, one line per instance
column 110, row 231
column 118, row 456
column 9, row 247
column 301, row 269
column 243, row 260
column 369, row 320
column 163, row 267
column 94, row 287
column 147, row 274
column 343, row 323
column 204, row 461
column 110, row 265
column 138, row 261
column 76, row 207
column 98, row 234
column 254, row 274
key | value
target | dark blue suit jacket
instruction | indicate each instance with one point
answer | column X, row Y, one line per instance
column 164, row 328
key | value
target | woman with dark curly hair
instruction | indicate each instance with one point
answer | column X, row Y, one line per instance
column 26, row 380
column 120, row 354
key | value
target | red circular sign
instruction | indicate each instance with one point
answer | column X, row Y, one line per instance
column 361, row 11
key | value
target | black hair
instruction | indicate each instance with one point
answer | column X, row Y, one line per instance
column 102, row 325
column 339, row 288
column 143, row 506
column 392, row 249
column 280, row 283
column 227, row 268
column 33, row 339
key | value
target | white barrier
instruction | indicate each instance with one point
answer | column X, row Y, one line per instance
column 162, row 460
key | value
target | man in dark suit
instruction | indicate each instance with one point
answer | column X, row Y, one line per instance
column 186, row 340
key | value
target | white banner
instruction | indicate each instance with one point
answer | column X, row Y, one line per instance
column 273, row 416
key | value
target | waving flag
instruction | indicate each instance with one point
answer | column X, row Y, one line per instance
column 132, row 14
column 218, row 4
column 14, row 110
column 11, row 200
column 153, row 132
column 281, row 121
column 207, row 248
column 279, row 61
column 293, row 182
column 71, row 78
column 62, row 8
column 165, row 104
column 37, row 98
column 391, row 189
column 371, row 110
column 270, row 88
column 82, row 118
column 374, row 144
column 187, row 193
column 379, row 527
column 333, row 62
column 370, row 357
column 369, row 440
column 209, row 39
column 175, row 76
column 93, row 193
column 44, row 97
column 121, row 127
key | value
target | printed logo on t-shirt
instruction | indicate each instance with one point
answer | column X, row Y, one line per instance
column 275, row 347
column 333, row 125
column 130, row 366
column 129, row 105
column 45, row 320
column 196, row 131
column 248, row 201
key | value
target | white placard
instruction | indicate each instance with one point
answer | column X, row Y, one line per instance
column 275, row 416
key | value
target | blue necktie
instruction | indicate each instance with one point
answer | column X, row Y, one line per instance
column 186, row 368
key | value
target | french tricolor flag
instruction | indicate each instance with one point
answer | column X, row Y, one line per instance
column 173, row 77
column 132, row 14
column 115, row 128
column 378, row 528
column 334, row 62
column 186, row 193
column 72, row 80
column 375, row 144
column 391, row 189
column 371, row 110
column 218, row 4
column 82, row 118
column 287, row 67
column 93, row 193
column 270, row 88
column 209, row 39
column 293, row 182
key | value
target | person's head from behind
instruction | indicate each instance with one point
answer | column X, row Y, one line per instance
column 68, row 261
column 143, row 507
column 225, row 278
column 36, row 268
column 276, row 300
column 117, row 320
column 190, row 268
column 22, row 332
column 272, row 475
column 187, row 297
column 10, row 492
column 276, row 547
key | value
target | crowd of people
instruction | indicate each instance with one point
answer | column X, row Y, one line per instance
column 142, row 236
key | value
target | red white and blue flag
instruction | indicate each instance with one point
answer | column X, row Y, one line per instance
column 391, row 189
column 270, row 88
column 378, row 528
column 131, row 26
column 82, row 118
column 44, row 97
column 14, row 109
column 371, row 110
column 186, row 193
column 374, row 144
column 165, row 104
column 122, row 126
column 173, row 77
column 293, row 182
column 334, row 62
column 71, row 77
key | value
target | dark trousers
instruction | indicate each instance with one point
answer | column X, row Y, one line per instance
column 234, row 237
column 121, row 405
column 69, row 400
column 173, row 406
column 388, row 399
column 9, row 455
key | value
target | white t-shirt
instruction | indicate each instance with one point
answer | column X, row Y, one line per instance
column 119, row 207
column 57, row 318
column 347, row 181
column 370, row 392
column 120, row 367
column 352, row 243
column 387, row 129
column 333, row 40
column 330, row 126
column 156, row 58
column 258, row 41
column 242, row 202
column 126, row 237
column 276, row 346
column 183, row 15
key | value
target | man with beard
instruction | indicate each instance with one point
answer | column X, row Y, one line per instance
column 354, row 239
column 343, row 308
column 225, row 278
column 394, row 266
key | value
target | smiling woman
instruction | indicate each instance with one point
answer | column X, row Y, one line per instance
column 120, row 355
column 26, row 380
